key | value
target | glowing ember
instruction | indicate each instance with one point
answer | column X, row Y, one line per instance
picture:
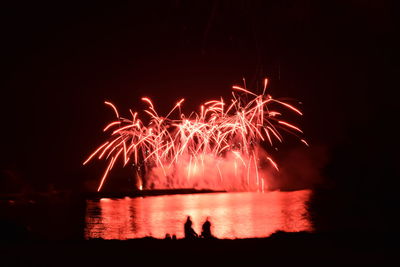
column 221, row 147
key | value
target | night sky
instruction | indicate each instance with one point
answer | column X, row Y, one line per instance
column 62, row 60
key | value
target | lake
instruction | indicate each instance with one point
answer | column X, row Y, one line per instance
column 232, row 215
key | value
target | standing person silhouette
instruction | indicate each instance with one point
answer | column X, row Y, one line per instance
column 206, row 230
column 189, row 232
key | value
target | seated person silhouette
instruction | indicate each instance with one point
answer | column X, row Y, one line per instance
column 206, row 230
column 189, row 232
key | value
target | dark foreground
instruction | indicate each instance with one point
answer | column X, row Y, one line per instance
column 281, row 249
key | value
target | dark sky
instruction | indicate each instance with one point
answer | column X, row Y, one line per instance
column 61, row 60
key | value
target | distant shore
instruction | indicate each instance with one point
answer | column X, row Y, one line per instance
column 98, row 195
column 150, row 192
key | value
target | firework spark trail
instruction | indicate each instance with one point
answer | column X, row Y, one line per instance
column 218, row 148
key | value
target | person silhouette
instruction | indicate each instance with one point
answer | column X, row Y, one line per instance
column 206, row 230
column 189, row 232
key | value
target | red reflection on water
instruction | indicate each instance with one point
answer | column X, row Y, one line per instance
column 233, row 215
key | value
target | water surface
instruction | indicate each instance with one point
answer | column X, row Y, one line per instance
column 233, row 215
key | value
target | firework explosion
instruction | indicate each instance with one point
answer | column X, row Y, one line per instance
column 221, row 147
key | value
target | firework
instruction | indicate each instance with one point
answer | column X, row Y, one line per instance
column 222, row 146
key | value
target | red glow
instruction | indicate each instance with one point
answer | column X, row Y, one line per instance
column 233, row 215
column 216, row 148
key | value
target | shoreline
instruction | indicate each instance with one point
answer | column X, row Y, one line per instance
column 333, row 248
column 149, row 193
